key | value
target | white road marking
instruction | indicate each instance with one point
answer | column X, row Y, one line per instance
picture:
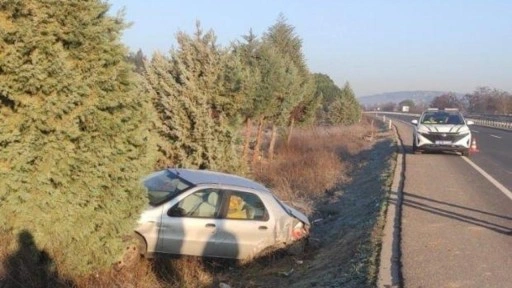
column 495, row 136
column 490, row 178
column 475, row 131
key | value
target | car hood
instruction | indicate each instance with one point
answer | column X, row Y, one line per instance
column 443, row 128
column 295, row 213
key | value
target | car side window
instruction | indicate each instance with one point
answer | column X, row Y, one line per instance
column 202, row 204
column 246, row 206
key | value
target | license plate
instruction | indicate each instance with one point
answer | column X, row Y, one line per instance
column 443, row 142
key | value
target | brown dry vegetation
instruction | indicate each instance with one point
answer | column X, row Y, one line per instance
column 338, row 175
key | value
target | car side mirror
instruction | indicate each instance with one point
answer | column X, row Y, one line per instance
column 414, row 121
column 469, row 122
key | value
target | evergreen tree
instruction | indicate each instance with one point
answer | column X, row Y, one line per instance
column 197, row 98
column 329, row 92
column 345, row 109
column 282, row 35
column 299, row 95
column 279, row 79
column 72, row 131
column 353, row 106
column 248, row 54
column 326, row 86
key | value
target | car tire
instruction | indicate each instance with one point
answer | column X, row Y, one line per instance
column 298, row 247
column 414, row 147
column 135, row 248
column 465, row 153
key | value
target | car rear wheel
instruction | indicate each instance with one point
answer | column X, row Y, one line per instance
column 298, row 247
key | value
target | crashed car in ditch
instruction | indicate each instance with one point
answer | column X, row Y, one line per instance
column 213, row 214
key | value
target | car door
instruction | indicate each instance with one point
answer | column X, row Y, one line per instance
column 246, row 228
column 190, row 225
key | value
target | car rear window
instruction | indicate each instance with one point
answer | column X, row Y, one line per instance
column 164, row 186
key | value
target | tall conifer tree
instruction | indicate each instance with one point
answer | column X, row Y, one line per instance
column 197, row 99
column 298, row 104
column 344, row 109
column 72, row 131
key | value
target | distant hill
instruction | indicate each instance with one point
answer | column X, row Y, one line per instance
column 396, row 97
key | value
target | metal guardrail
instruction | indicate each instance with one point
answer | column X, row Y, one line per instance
column 479, row 122
column 491, row 123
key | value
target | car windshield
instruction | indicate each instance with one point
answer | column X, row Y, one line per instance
column 164, row 186
column 442, row 118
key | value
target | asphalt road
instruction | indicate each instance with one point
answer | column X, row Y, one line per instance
column 495, row 155
column 495, row 145
column 456, row 226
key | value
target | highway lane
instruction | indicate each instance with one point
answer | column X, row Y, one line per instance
column 495, row 155
column 456, row 226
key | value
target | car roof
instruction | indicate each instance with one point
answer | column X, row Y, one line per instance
column 198, row 177
column 442, row 112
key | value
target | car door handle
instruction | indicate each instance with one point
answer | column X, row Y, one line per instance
column 210, row 225
column 262, row 228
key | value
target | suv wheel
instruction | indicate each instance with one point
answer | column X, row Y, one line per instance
column 414, row 147
column 465, row 153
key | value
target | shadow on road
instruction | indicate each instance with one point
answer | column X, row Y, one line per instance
column 429, row 205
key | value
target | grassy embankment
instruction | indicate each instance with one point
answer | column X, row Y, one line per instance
column 304, row 173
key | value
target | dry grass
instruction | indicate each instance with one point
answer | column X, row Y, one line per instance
column 311, row 164
column 186, row 272
column 307, row 169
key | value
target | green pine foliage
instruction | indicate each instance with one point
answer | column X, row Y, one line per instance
column 329, row 90
column 278, row 92
column 344, row 109
column 301, row 91
column 73, row 138
column 198, row 99
column 248, row 53
column 339, row 106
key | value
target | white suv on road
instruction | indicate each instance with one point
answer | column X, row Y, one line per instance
column 441, row 130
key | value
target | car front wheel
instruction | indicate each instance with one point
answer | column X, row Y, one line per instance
column 414, row 147
column 135, row 247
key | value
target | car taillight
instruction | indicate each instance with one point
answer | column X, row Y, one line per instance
column 298, row 231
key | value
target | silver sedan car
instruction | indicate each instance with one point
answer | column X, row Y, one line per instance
column 212, row 214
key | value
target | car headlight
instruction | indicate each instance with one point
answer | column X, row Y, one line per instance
column 423, row 132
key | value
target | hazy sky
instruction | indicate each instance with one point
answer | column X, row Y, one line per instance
column 378, row 46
